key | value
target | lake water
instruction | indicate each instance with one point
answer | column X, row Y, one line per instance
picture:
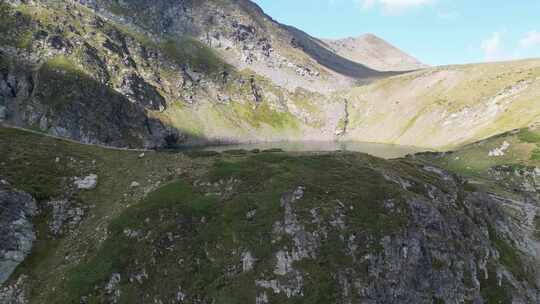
column 378, row 150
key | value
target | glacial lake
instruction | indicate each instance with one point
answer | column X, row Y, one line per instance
column 378, row 150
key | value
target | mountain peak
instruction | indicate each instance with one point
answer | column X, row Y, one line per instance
column 374, row 52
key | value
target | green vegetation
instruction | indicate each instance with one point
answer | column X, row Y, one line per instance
column 192, row 231
column 215, row 230
column 264, row 115
column 509, row 256
column 15, row 29
column 119, row 250
column 490, row 289
column 535, row 155
column 62, row 82
column 194, row 54
column 37, row 174
column 529, row 136
column 64, row 64
column 29, row 161
column 438, row 264
column 341, row 124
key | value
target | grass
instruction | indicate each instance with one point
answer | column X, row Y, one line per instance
column 64, row 64
column 61, row 81
column 38, row 174
column 15, row 29
column 118, row 251
column 28, row 161
column 191, row 231
column 210, row 232
column 195, row 55
column 529, row 136
column 490, row 289
column 263, row 115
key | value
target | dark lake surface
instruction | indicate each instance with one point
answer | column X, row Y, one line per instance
column 378, row 150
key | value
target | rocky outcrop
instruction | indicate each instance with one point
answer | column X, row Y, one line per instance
column 362, row 230
column 17, row 233
column 452, row 250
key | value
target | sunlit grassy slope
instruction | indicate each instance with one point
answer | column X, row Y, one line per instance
column 447, row 106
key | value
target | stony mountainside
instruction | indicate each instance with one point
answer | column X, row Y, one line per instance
column 375, row 53
column 155, row 74
column 170, row 73
column 245, row 36
column 257, row 227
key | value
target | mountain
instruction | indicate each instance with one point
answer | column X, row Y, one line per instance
column 245, row 36
column 141, row 74
column 169, row 73
column 374, row 52
column 154, row 74
column 84, row 220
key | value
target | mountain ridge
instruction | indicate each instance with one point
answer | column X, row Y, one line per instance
column 374, row 52
column 252, row 78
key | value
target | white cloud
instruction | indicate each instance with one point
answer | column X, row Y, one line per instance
column 498, row 46
column 493, row 48
column 394, row 6
column 530, row 40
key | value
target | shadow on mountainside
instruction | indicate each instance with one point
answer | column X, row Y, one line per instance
column 316, row 50
column 65, row 102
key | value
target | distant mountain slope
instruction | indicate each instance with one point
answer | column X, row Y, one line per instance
column 245, row 36
column 447, row 106
column 374, row 53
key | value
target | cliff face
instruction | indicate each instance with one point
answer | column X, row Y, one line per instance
column 17, row 232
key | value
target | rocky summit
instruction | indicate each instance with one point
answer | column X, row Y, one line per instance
column 105, row 198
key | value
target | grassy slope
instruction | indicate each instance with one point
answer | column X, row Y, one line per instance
column 29, row 162
column 64, row 269
column 447, row 106
column 190, row 216
column 474, row 160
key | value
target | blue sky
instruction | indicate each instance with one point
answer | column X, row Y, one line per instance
column 435, row 31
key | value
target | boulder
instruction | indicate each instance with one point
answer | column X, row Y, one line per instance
column 87, row 183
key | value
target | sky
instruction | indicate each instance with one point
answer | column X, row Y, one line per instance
column 437, row 32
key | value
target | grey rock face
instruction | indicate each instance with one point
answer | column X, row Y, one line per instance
column 16, row 230
column 452, row 249
column 64, row 215
column 14, row 293
column 112, row 289
column 2, row 113
column 87, row 183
